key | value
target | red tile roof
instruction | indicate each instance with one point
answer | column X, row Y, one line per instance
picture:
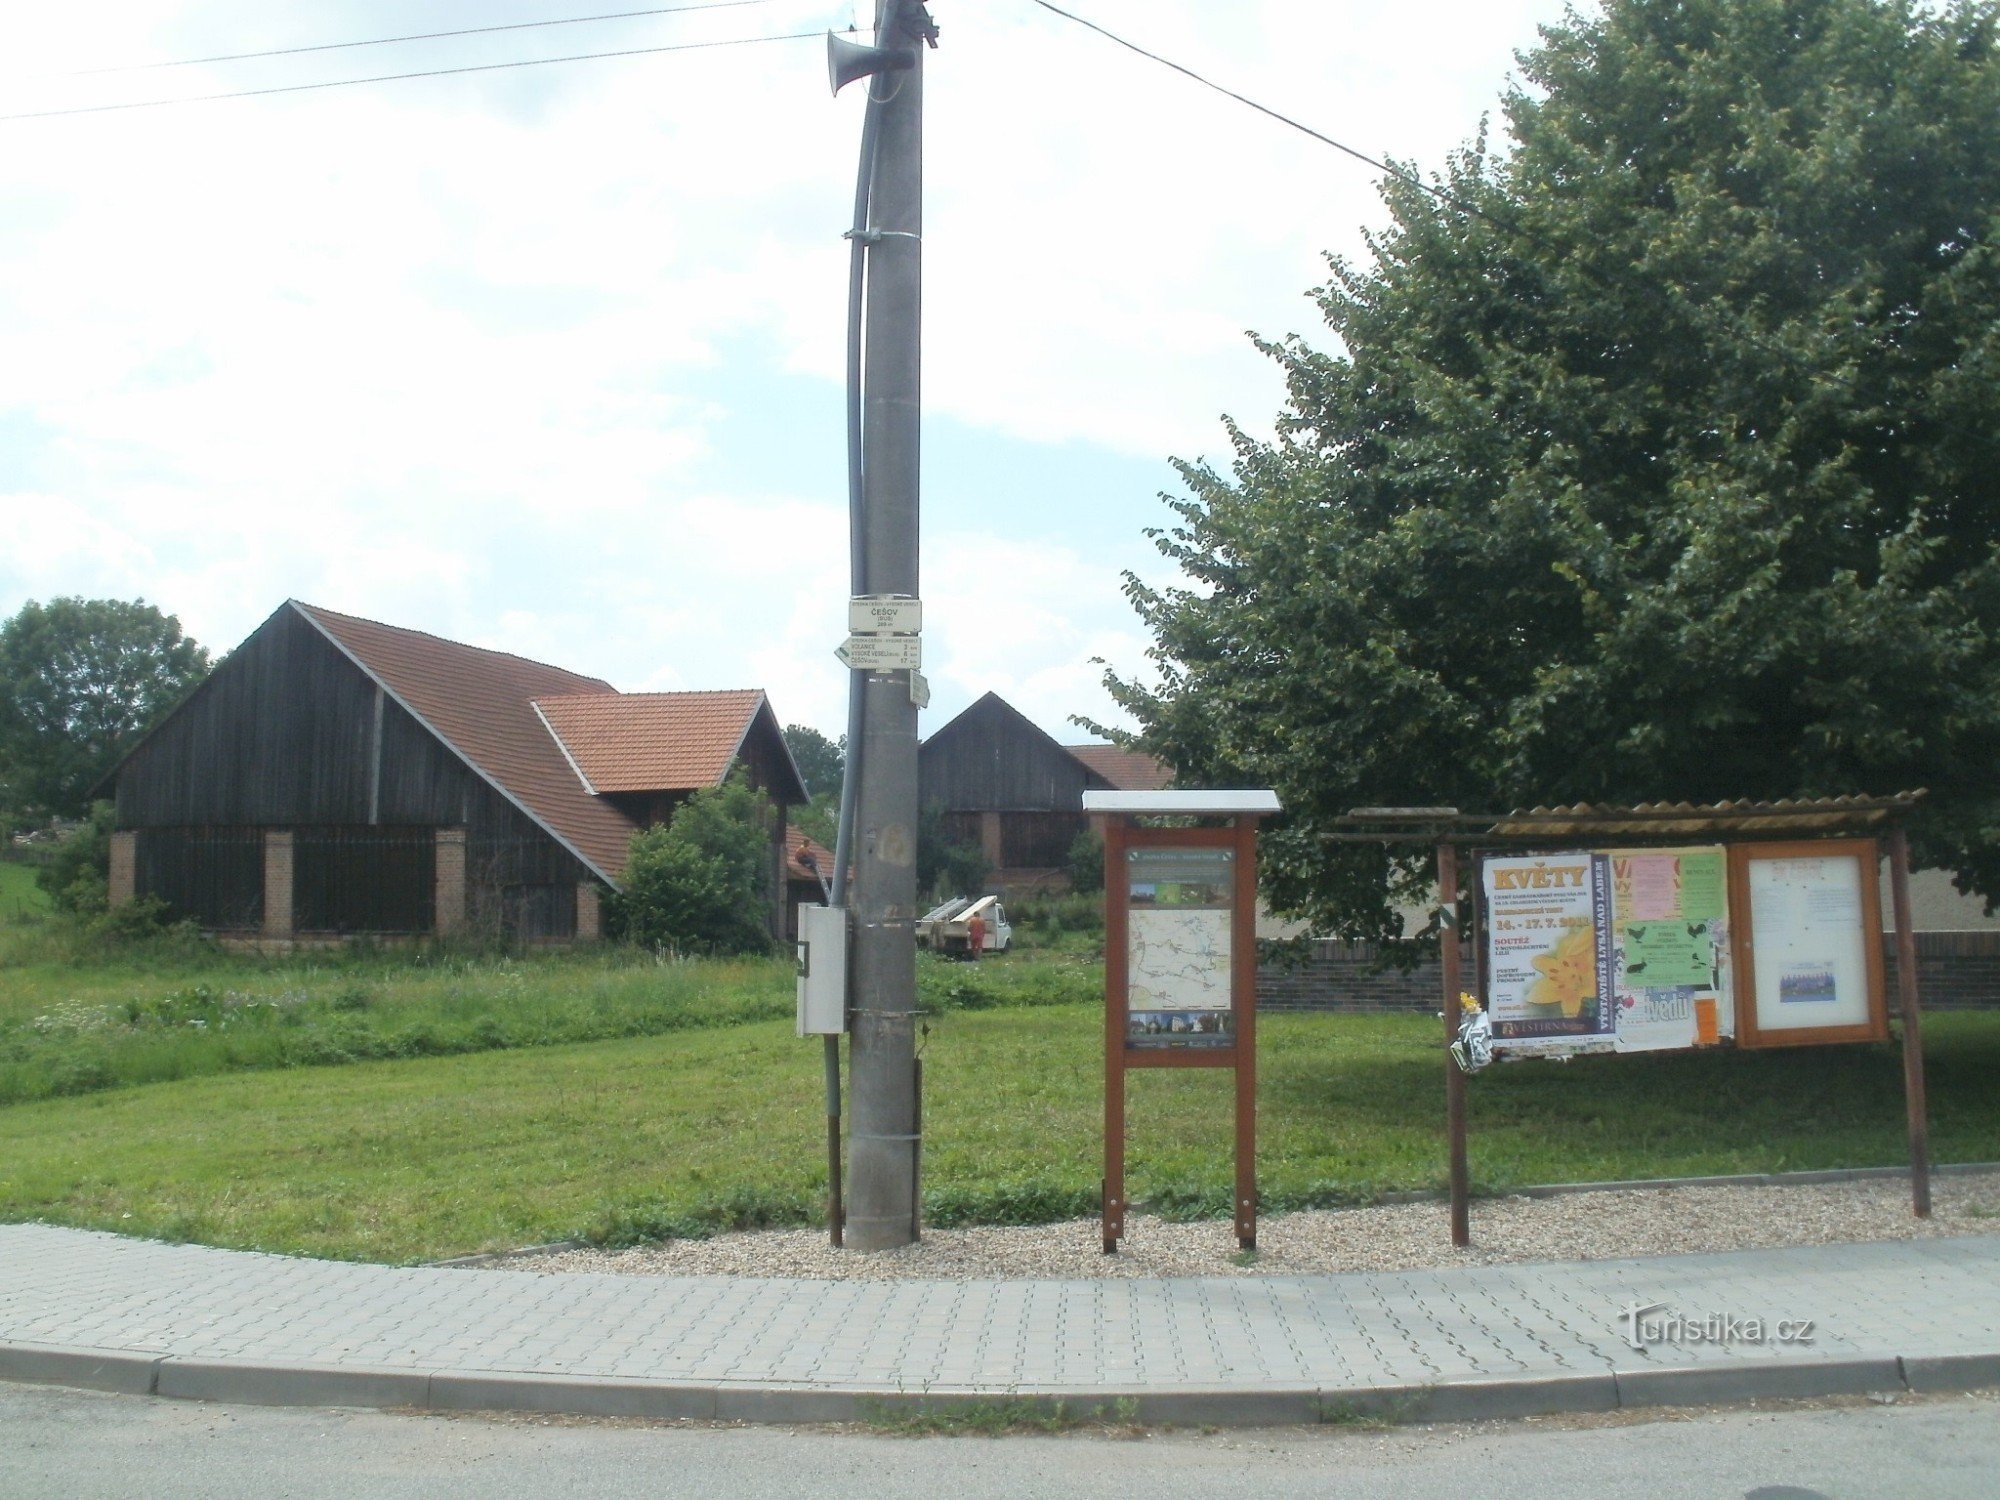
column 651, row 742
column 1126, row 770
column 480, row 703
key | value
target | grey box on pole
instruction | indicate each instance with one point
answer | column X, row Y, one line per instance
column 822, row 990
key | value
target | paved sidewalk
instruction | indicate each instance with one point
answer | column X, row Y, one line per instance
column 182, row 1320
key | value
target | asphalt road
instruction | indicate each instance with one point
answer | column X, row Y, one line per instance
column 80, row 1444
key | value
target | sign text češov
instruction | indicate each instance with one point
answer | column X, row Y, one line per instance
column 884, row 614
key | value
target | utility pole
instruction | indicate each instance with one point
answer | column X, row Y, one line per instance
column 884, row 1131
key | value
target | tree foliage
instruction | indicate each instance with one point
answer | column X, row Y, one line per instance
column 700, row 884
column 80, row 681
column 1658, row 456
column 821, row 761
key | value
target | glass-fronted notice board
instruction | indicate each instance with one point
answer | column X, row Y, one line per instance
column 1178, row 949
column 1814, row 939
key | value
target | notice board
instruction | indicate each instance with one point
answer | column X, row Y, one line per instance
column 1647, row 950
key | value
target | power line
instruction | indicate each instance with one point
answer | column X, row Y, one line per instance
column 341, row 83
column 1441, row 194
column 417, row 36
column 1453, row 200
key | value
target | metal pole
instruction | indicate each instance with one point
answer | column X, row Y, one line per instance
column 883, row 1133
column 1454, row 1080
column 1913, row 1027
column 836, row 1211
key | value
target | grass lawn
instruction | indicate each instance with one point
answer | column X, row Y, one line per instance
column 428, row 1157
column 20, row 898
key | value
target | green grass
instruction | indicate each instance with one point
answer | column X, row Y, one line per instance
column 21, row 900
column 178, row 1008
column 701, row 1129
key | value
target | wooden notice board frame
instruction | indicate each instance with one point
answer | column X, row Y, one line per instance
column 1751, row 831
column 1122, row 835
column 1867, row 856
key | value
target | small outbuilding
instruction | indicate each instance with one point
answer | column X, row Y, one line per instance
column 338, row 776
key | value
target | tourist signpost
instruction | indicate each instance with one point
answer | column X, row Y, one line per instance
column 1180, row 962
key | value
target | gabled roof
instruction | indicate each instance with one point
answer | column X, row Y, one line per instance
column 656, row 742
column 1124, row 770
column 481, row 704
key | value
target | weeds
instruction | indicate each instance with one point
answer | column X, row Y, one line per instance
column 1007, row 1416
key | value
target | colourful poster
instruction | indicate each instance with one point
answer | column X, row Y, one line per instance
column 1669, row 940
column 1548, row 972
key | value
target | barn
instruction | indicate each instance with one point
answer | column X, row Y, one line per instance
column 1009, row 787
column 338, row 776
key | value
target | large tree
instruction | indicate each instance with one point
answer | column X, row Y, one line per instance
column 1658, row 456
column 80, row 681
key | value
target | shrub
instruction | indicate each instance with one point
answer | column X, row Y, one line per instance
column 698, row 884
column 945, row 868
column 1086, row 863
column 78, row 878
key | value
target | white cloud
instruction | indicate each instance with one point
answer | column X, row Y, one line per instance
column 451, row 352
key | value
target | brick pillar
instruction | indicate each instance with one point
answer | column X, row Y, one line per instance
column 589, row 912
column 277, row 882
column 449, row 895
column 124, row 876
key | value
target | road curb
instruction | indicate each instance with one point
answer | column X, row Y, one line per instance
column 257, row 1383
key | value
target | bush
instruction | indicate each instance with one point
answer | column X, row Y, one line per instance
column 699, row 884
column 1086, row 863
column 78, row 878
column 945, row 868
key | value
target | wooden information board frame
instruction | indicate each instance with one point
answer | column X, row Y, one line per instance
column 1742, row 921
column 1750, row 831
column 1122, row 835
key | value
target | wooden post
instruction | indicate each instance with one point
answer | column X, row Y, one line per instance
column 1913, row 1026
column 1114, row 1035
column 1243, row 980
column 1454, row 1080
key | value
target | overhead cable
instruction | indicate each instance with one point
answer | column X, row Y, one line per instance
column 341, row 83
column 417, row 36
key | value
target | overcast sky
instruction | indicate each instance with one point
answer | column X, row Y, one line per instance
column 550, row 359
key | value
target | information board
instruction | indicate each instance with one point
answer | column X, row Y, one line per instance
column 1814, row 943
column 1178, row 948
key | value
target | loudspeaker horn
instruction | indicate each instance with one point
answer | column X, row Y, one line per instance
column 847, row 61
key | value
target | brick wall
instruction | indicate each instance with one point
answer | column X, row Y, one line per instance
column 1955, row 971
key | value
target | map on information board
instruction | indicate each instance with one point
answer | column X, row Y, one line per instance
column 1179, row 960
column 1178, row 949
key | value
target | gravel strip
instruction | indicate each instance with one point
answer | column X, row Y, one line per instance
column 1400, row 1237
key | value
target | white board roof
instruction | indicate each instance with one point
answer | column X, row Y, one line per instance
column 1245, row 801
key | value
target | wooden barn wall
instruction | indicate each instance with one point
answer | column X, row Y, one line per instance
column 282, row 735
column 990, row 759
column 278, row 735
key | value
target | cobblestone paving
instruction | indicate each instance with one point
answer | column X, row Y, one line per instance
column 70, row 1288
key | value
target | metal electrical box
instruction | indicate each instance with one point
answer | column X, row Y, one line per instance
column 822, row 970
